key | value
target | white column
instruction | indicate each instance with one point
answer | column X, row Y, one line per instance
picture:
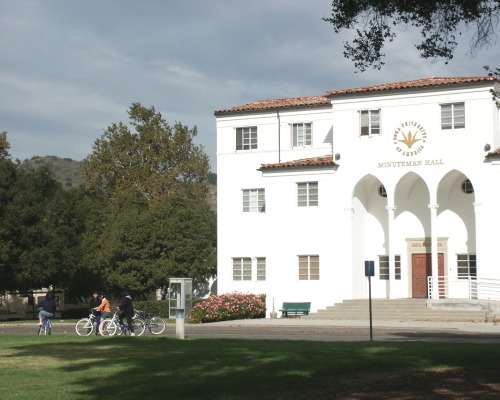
column 434, row 250
column 481, row 243
column 392, row 266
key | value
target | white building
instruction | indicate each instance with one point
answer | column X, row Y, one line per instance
column 404, row 174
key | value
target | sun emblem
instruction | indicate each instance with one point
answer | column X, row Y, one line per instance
column 409, row 140
column 403, row 134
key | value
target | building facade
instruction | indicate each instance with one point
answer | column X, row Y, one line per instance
column 403, row 174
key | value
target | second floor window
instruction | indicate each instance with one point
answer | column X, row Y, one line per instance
column 307, row 194
column 246, row 138
column 369, row 122
column 301, row 134
column 254, row 200
column 453, row 116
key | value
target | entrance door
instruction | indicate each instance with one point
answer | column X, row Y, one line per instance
column 421, row 265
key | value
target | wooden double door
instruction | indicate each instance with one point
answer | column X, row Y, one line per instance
column 421, row 265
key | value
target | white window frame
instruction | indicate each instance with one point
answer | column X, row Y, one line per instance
column 307, row 194
column 246, row 138
column 308, row 266
column 466, row 266
column 301, row 133
column 254, row 200
column 453, row 116
column 242, row 268
column 383, row 267
column 370, row 122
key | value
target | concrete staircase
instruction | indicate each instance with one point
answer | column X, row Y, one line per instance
column 391, row 310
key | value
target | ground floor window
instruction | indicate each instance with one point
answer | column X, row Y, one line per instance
column 383, row 264
column 309, row 268
column 242, row 269
column 466, row 266
column 244, row 266
column 261, row 268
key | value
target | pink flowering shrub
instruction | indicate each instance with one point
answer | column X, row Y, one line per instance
column 229, row 306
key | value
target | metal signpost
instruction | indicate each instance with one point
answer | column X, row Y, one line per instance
column 369, row 272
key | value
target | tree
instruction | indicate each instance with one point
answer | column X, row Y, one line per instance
column 495, row 72
column 439, row 22
column 4, row 146
column 140, row 247
column 158, row 159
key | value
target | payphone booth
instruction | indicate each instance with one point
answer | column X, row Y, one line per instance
column 180, row 301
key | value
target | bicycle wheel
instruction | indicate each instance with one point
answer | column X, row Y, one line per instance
column 139, row 326
column 84, row 327
column 157, row 325
column 107, row 328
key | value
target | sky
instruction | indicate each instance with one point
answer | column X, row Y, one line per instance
column 71, row 68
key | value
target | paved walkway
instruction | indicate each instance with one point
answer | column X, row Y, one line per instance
column 483, row 327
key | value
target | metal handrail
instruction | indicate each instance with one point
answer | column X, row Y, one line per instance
column 463, row 287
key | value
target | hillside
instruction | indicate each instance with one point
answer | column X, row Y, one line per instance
column 65, row 170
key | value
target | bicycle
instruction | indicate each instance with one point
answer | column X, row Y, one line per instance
column 85, row 326
column 155, row 324
column 112, row 326
column 46, row 327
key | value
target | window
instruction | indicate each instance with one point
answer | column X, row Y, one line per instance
column 307, row 194
column 242, row 269
column 467, row 187
column 254, row 200
column 453, row 116
column 383, row 264
column 381, row 191
column 369, row 122
column 246, row 138
column 261, row 268
column 466, row 266
column 301, row 134
column 309, row 268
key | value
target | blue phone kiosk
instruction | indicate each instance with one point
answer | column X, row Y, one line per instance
column 180, row 302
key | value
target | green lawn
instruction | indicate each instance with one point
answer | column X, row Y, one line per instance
column 128, row 368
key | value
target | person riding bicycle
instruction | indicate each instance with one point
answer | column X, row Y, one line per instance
column 94, row 302
column 104, row 309
column 127, row 310
column 48, row 307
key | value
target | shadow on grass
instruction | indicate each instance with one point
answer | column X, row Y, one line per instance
column 161, row 367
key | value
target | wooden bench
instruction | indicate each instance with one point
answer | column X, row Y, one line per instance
column 295, row 309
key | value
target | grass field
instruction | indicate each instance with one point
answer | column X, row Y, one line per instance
column 126, row 368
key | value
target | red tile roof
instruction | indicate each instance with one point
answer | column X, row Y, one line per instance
column 304, row 162
column 417, row 83
column 315, row 101
column 494, row 153
column 276, row 104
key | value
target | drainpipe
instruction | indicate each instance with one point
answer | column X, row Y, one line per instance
column 279, row 136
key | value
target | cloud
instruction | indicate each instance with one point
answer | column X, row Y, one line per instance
column 69, row 69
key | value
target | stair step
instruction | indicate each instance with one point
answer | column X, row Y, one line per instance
column 400, row 309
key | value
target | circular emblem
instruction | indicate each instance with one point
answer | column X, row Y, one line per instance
column 409, row 138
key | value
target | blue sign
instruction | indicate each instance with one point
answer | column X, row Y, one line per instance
column 369, row 268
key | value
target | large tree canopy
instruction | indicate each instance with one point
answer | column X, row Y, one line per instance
column 439, row 22
column 157, row 160
column 140, row 248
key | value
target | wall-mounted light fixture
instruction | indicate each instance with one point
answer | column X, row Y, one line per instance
column 337, row 156
column 487, row 147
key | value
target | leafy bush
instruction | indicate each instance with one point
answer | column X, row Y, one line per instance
column 155, row 307
column 229, row 306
